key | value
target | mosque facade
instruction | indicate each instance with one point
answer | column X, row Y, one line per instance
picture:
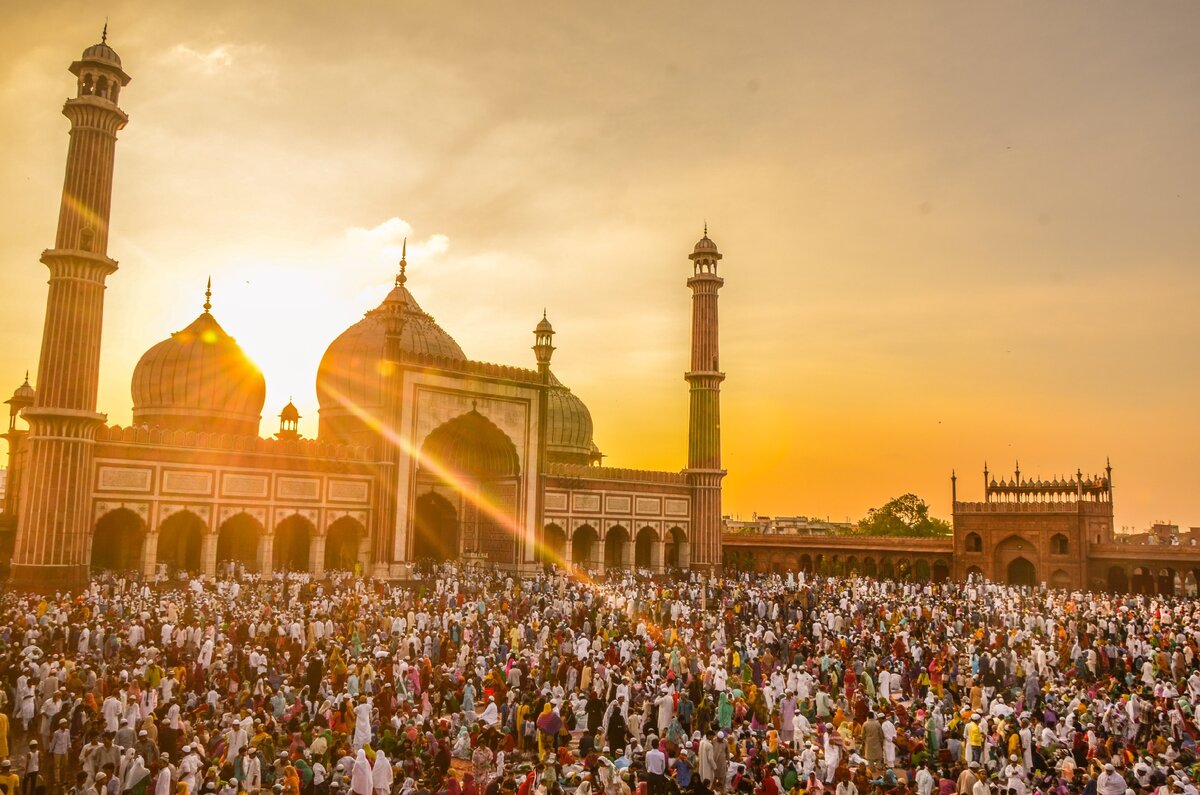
column 421, row 452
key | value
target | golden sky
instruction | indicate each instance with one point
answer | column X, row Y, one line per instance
column 952, row 231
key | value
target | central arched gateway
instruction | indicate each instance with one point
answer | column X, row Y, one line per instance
column 472, row 467
column 1021, row 571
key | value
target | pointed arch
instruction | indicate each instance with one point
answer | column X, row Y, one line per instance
column 239, row 541
column 474, row 469
column 922, row 571
column 117, row 541
column 554, row 544
column 643, row 549
column 615, row 541
column 1021, row 571
column 1118, row 579
column 941, row 570
column 180, row 541
column 291, row 547
column 585, row 543
column 471, row 446
column 345, row 544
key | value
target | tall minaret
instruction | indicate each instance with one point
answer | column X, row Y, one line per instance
column 54, row 525
column 387, row 511
column 704, row 427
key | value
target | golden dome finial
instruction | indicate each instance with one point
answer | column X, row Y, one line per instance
column 401, row 278
column 208, row 296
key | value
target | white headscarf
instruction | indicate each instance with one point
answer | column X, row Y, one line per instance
column 136, row 772
column 381, row 773
column 360, row 776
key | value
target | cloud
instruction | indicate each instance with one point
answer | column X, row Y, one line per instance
column 385, row 241
column 210, row 61
column 391, row 230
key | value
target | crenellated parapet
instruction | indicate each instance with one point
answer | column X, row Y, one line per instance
column 164, row 437
column 584, row 472
column 1070, row 506
column 468, row 367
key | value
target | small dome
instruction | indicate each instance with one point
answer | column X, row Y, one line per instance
column 568, row 426
column 199, row 379
column 705, row 245
column 24, row 394
column 543, row 326
column 290, row 413
column 101, row 52
column 351, row 375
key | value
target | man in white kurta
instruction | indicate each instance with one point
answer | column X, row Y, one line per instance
column 362, row 724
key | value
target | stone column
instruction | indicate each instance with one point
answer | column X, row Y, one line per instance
column 656, row 555
column 149, row 553
column 316, row 555
column 208, row 553
column 684, row 552
column 627, row 553
column 266, row 554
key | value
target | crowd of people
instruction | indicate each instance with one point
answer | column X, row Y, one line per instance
column 476, row 682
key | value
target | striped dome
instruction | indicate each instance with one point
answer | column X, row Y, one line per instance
column 351, row 375
column 199, row 379
column 102, row 52
column 568, row 426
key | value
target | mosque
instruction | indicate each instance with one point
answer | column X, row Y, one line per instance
column 421, row 452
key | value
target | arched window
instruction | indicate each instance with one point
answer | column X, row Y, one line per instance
column 1059, row 544
column 974, row 542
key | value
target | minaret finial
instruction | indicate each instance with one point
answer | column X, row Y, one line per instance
column 104, row 33
column 706, row 227
column 208, row 296
column 401, row 278
column 27, row 376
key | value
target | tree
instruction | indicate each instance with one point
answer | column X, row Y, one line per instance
column 907, row 515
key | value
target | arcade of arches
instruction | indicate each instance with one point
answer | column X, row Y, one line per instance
column 183, row 543
column 900, row 567
column 1169, row 580
column 618, row 549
